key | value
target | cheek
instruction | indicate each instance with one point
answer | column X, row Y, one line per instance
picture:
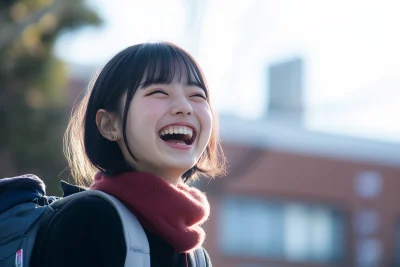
column 143, row 116
column 152, row 111
column 206, row 119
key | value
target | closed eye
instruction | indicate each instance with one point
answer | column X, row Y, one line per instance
column 200, row 95
column 157, row 92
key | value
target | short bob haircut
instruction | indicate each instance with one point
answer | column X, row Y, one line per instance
column 88, row 152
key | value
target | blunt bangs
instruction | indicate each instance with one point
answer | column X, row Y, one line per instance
column 163, row 63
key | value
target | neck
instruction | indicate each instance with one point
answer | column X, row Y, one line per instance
column 172, row 178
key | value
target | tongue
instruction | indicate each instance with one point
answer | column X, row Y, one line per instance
column 177, row 142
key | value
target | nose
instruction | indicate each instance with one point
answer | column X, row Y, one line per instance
column 181, row 106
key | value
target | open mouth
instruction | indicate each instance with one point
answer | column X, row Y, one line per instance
column 179, row 135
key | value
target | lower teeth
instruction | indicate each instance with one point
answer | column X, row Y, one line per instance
column 176, row 142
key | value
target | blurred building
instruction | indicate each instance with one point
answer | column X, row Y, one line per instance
column 294, row 197
column 299, row 198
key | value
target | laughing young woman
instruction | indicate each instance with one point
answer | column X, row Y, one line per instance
column 143, row 131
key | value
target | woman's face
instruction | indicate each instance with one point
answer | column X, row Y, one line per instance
column 168, row 128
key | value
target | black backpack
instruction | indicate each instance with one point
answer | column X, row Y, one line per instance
column 24, row 206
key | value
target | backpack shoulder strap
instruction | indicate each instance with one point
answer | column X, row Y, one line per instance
column 199, row 258
column 137, row 245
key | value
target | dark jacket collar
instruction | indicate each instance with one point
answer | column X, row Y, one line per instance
column 69, row 189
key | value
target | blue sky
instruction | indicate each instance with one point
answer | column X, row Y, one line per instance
column 350, row 48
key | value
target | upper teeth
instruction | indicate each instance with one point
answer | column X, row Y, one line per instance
column 177, row 130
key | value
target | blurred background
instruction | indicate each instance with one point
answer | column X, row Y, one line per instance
column 308, row 96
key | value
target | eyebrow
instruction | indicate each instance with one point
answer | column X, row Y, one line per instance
column 189, row 83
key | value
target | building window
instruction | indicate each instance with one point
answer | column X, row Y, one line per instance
column 291, row 231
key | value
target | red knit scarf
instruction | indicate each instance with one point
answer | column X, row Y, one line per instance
column 174, row 213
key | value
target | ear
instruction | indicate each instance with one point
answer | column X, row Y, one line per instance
column 108, row 126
